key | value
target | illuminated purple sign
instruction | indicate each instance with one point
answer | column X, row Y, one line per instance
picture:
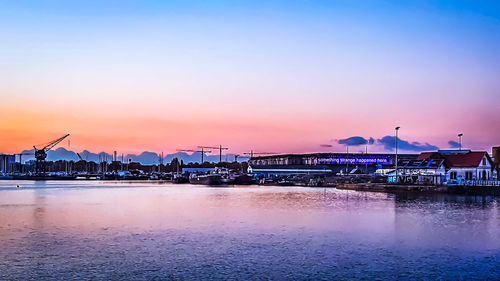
column 355, row 160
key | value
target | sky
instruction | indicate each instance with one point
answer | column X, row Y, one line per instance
column 269, row 76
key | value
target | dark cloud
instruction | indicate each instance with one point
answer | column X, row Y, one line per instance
column 357, row 140
column 326, row 145
column 389, row 144
column 453, row 144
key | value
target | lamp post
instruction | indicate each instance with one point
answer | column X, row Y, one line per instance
column 397, row 129
column 460, row 141
column 347, row 157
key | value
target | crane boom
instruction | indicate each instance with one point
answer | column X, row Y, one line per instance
column 53, row 143
column 202, row 151
column 252, row 153
column 220, row 148
column 41, row 154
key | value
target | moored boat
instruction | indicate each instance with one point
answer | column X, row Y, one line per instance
column 209, row 179
column 43, row 177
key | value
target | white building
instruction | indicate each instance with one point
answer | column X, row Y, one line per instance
column 420, row 171
column 463, row 165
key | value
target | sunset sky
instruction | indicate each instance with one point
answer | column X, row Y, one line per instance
column 279, row 76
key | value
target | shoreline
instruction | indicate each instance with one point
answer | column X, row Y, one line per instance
column 422, row 189
column 369, row 187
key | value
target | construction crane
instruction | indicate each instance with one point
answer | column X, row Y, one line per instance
column 251, row 153
column 203, row 151
column 236, row 156
column 220, row 148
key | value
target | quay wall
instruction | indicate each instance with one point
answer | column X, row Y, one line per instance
column 381, row 187
column 466, row 190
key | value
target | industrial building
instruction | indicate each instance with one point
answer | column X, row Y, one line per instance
column 7, row 163
column 317, row 163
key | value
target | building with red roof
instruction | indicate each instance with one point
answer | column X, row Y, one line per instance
column 463, row 165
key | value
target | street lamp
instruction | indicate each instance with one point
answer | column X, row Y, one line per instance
column 460, row 141
column 347, row 157
column 397, row 129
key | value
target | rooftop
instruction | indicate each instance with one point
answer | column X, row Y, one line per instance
column 457, row 158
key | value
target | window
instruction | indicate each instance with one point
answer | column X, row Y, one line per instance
column 484, row 161
column 453, row 175
column 468, row 175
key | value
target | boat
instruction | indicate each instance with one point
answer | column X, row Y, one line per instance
column 180, row 179
column 208, row 179
column 285, row 182
column 44, row 177
column 5, row 177
column 243, row 179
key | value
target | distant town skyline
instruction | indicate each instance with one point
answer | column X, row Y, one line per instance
column 279, row 76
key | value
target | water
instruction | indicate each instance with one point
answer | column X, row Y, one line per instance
column 148, row 231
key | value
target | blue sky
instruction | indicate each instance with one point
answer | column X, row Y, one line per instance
column 247, row 70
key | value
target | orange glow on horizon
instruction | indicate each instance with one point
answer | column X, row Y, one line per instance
column 280, row 133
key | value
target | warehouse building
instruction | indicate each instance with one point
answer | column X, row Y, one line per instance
column 7, row 163
column 317, row 163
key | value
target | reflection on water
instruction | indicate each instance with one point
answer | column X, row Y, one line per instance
column 111, row 230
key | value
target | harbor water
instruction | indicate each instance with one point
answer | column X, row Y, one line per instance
column 150, row 231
